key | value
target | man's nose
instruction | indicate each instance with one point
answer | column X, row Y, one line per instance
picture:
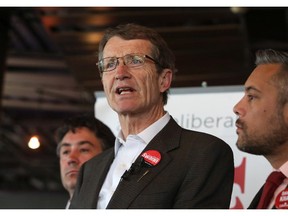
column 73, row 158
column 238, row 108
column 121, row 71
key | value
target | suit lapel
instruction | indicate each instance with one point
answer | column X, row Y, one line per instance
column 94, row 182
column 129, row 189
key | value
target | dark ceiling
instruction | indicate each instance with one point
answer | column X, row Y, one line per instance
column 48, row 70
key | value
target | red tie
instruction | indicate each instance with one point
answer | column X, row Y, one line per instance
column 272, row 183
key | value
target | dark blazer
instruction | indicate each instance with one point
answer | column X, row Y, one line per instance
column 196, row 171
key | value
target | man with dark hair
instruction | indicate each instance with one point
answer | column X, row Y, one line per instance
column 262, row 124
column 79, row 139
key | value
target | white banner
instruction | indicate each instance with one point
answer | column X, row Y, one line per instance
column 209, row 110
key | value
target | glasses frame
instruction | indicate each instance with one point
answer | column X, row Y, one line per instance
column 122, row 57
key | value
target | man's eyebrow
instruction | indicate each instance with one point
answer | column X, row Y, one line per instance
column 252, row 88
column 64, row 144
column 85, row 142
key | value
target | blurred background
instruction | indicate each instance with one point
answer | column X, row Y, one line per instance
column 48, row 72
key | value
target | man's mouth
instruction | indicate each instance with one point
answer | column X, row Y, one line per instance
column 124, row 90
column 238, row 123
column 72, row 172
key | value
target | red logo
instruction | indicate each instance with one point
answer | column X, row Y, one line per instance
column 152, row 157
column 281, row 201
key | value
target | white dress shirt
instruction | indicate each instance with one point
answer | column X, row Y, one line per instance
column 126, row 153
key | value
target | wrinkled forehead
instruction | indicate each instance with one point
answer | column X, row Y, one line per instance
column 117, row 47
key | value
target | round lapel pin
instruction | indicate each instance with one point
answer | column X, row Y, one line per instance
column 151, row 157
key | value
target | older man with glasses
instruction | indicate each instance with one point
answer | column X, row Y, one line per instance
column 155, row 164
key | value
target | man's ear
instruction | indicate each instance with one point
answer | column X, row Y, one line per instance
column 165, row 80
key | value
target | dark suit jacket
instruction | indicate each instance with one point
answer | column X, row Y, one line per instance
column 196, row 171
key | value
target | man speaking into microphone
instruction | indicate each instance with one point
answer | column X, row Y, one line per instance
column 156, row 164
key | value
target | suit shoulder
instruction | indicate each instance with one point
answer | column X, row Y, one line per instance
column 101, row 156
column 203, row 137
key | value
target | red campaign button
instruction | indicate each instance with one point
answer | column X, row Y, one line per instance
column 281, row 201
column 152, row 157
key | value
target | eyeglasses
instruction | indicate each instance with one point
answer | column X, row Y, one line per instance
column 130, row 60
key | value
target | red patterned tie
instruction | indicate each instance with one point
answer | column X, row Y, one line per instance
column 272, row 183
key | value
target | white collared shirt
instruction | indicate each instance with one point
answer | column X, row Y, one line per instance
column 126, row 153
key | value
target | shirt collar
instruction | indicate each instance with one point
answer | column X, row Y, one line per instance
column 284, row 169
column 147, row 134
column 151, row 131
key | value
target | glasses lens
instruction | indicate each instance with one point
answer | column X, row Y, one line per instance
column 134, row 60
column 100, row 66
column 130, row 60
column 109, row 64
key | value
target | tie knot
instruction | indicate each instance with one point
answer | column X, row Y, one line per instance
column 276, row 177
